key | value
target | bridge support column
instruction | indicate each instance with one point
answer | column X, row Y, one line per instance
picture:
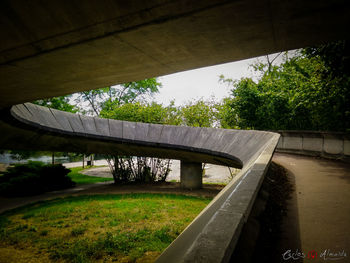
column 191, row 175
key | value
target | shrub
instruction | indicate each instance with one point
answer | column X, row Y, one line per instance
column 34, row 178
column 138, row 169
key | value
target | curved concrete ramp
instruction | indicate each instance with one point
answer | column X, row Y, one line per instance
column 212, row 236
column 35, row 127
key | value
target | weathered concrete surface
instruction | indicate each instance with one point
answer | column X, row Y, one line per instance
column 318, row 214
column 61, row 47
column 333, row 144
column 208, row 238
column 54, row 130
column 326, row 144
column 191, row 175
column 293, row 142
column 249, row 150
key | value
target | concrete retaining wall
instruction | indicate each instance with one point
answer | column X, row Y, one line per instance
column 325, row 144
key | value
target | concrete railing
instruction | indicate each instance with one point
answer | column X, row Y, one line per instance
column 325, row 144
column 212, row 236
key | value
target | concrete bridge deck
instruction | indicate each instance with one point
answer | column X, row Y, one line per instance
column 60, row 47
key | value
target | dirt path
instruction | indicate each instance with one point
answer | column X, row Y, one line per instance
column 318, row 219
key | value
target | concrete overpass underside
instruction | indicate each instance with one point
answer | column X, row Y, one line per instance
column 60, row 47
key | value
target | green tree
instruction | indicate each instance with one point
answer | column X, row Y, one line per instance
column 195, row 113
column 335, row 79
column 226, row 115
column 301, row 93
column 335, row 56
column 90, row 102
column 59, row 103
column 200, row 113
column 137, row 112
column 94, row 101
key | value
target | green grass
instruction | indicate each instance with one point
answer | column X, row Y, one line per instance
column 105, row 228
column 79, row 178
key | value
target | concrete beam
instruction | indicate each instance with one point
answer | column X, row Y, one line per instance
column 191, row 175
column 60, row 47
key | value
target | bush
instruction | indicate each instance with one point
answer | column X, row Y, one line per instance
column 138, row 169
column 34, row 178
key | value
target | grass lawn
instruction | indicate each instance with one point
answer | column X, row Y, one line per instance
column 100, row 228
column 79, row 178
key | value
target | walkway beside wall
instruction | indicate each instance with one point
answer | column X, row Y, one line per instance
column 318, row 218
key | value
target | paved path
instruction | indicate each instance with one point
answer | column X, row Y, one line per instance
column 319, row 210
column 79, row 164
column 213, row 173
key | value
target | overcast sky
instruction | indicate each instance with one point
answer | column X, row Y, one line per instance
column 203, row 82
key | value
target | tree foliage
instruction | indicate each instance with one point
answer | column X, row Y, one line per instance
column 94, row 101
column 305, row 92
column 59, row 103
column 138, row 112
column 200, row 113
